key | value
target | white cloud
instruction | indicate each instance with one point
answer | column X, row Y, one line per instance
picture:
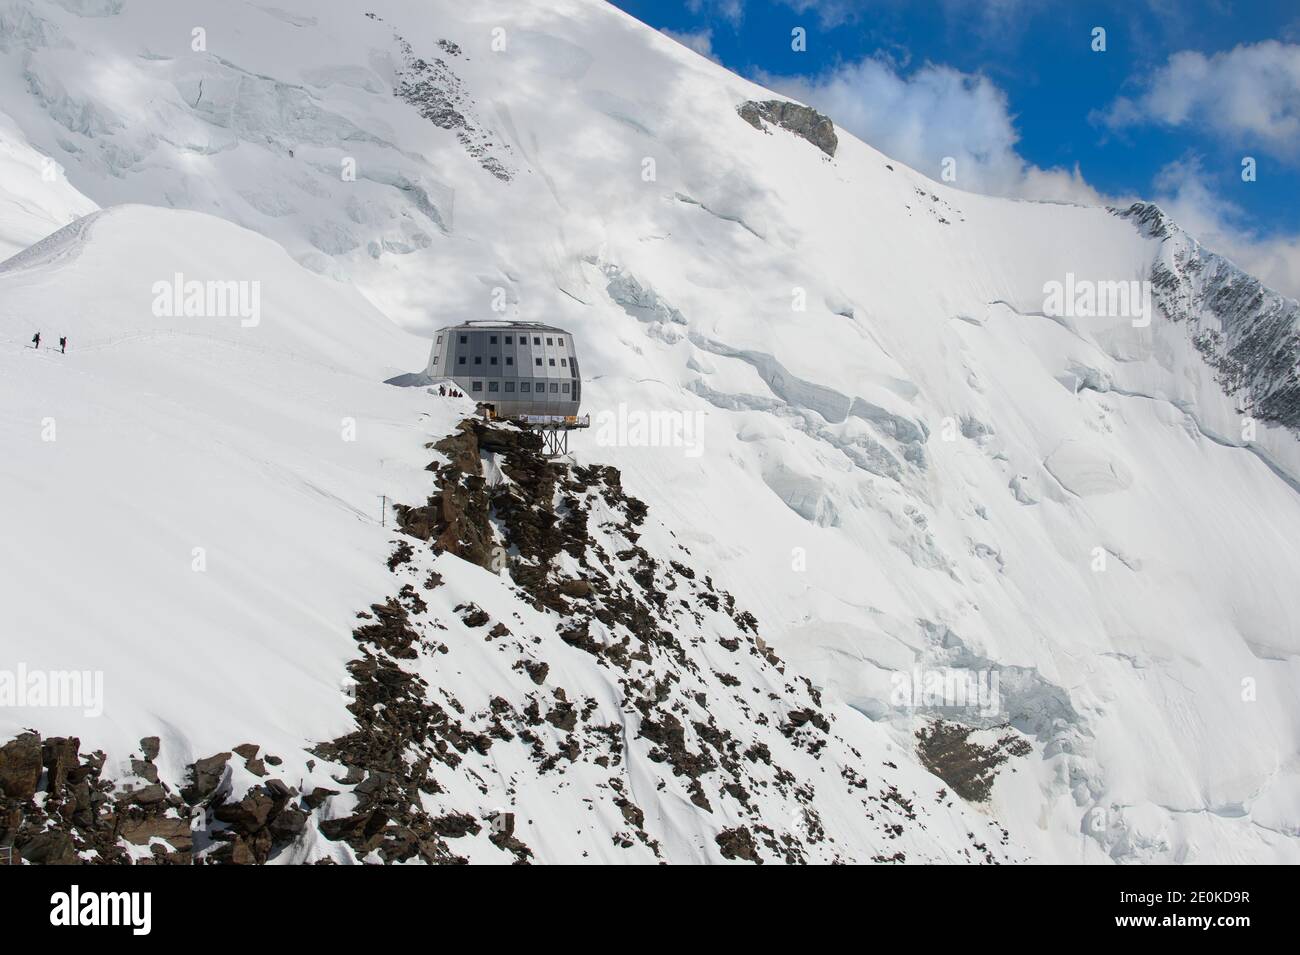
column 701, row 42
column 733, row 11
column 987, row 20
column 829, row 13
column 938, row 111
column 1251, row 94
column 934, row 113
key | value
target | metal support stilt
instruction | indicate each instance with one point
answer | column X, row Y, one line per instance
column 554, row 431
column 555, row 441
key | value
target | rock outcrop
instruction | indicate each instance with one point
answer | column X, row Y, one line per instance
column 545, row 649
column 60, row 808
column 804, row 121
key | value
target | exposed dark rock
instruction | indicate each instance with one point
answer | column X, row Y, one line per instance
column 1246, row 332
column 573, row 535
column 20, row 766
column 473, row 616
column 152, row 794
column 455, row 825
column 145, row 770
column 537, row 671
column 436, row 92
column 968, row 767
column 85, row 817
column 59, row 757
column 249, row 814
column 318, row 796
column 738, row 844
column 391, row 630
column 804, row 121
column 289, row 823
column 575, row 588
column 50, row 848
column 393, row 713
column 401, row 555
column 797, row 718
column 175, row 831
column 206, row 775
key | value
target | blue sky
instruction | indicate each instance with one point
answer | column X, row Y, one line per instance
column 1184, row 90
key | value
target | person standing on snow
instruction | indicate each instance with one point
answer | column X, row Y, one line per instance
column 36, row 340
column 63, row 345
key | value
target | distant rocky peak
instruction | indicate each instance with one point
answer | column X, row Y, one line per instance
column 1149, row 218
column 1248, row 333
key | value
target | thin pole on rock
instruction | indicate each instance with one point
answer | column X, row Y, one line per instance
column 383, row 514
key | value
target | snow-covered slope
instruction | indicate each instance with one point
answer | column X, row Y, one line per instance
column 157, row 446
column 901, row 460
column 35, row 198
column 193, row 510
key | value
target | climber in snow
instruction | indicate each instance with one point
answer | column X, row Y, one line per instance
column 63, row 345
column 36, row 341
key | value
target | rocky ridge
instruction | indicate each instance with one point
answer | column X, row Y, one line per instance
column 533, row 641
column 1249, row 334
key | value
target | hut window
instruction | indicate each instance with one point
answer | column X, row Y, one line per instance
column 539, row 361
column 494, row 386
column 478, row 359
column 525, row 386
column 536, row 340
column 510, row 339
column 509, row 360
column 561, row 341
column 565, row 388
column 554, row 387
column 510, row 386
column 492, row 340
column 550, row 341
column 476, row 386
column 462, row 359
column 439, row 341
column 464, row 339
column 492, row 360
column 564, row 362
column 552, row 362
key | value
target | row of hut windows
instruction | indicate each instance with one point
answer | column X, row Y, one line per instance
column 492, row 360
column 510, row 340
column 524, row 386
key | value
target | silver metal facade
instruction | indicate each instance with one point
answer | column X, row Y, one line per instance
column 519, row 368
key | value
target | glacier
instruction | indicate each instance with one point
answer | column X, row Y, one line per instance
column 905, row 460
